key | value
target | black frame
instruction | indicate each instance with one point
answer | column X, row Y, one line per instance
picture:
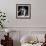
column 29, row 11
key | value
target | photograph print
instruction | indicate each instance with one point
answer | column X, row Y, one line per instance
column 23, row 11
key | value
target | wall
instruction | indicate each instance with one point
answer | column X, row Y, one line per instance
column 38, row 13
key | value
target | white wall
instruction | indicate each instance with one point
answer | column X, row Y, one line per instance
column 38, row 13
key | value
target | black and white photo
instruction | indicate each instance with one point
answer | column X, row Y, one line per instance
column 23, row 11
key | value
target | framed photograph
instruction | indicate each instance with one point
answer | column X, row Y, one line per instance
column 23, row 11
